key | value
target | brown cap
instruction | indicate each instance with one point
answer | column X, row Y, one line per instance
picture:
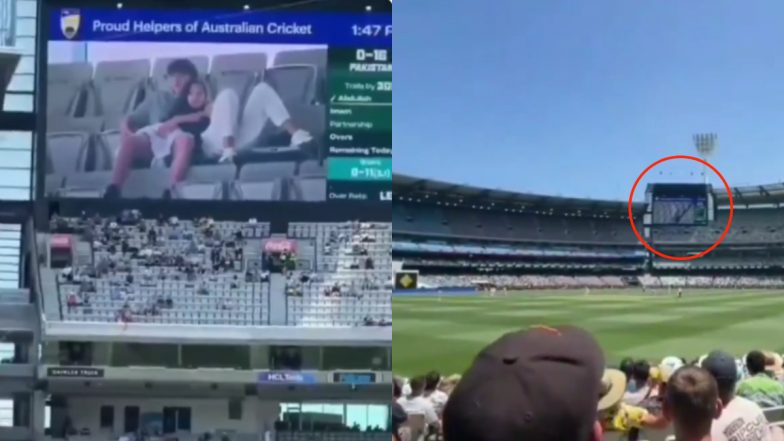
column 538, row 384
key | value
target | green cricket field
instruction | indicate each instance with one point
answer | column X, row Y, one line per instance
column 445, row 333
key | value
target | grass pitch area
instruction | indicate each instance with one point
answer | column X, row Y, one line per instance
column 445, row 333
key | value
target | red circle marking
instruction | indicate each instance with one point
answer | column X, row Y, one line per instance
column 709, row 249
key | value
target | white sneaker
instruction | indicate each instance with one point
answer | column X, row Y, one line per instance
column 300, row 137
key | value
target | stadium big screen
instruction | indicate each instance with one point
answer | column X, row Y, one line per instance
column 680, row 204
column 219, row 105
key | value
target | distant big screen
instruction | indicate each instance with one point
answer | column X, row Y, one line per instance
column 219, row 105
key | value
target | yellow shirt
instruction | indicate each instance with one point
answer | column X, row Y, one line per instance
column 624, row 418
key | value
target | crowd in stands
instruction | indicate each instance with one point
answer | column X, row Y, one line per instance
column 748, row 226
column 467, row 222
column 168, row 270
column 574, row 282
column 546, row 383
column 349, row 286
column 163, row 270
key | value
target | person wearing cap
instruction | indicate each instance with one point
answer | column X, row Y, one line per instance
column 537, row 384
column 740, row 419
column 760, row 387
column 617, row 416
column 692, row 403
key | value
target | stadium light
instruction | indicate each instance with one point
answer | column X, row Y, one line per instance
column 705, row 143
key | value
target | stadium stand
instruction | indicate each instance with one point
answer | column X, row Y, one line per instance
column 205, row 272
column 90, row 101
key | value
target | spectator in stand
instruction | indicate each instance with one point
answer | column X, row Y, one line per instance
column 692, row 403
column 449, row 383
column 398, row 414
column 640, row 387
column 432, row 393
column 416, row 404
column 617, row 416
column 522, row 387
column 740, row 419
column 760, row 387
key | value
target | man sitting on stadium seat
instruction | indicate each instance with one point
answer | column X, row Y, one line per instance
column 740, row 418
column 432, row 393
column 692, row 402
column 416, row 404
column 539, row 384
column 760, row 388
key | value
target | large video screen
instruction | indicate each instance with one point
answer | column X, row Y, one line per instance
column 219, row 105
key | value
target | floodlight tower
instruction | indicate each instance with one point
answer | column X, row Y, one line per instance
column 705, row 143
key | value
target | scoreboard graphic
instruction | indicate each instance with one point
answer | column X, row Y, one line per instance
column 406, row 279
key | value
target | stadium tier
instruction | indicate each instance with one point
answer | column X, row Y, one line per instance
column 134, row 270
column 446, row 229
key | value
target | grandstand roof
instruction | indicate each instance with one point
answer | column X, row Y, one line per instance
column 752, row 194
column 409, row 186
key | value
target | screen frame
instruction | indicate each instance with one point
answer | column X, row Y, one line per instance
column 326, row 211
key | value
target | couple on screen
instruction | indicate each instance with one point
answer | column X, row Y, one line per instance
column 180, row 126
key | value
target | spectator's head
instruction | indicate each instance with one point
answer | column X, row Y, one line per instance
column 692, row 402
column 755, row 362
column 181, row 72
column 197, row 95
column 397, row 388
column 448, row 384
column 774, row 364
column 417, row 385
column 522, row 386
column 641, row 372
column 626, row 366
column 431, row 381
column 722, row 367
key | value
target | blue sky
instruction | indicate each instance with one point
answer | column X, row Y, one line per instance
column 576, row 98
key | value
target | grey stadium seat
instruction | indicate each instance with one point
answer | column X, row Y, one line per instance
column 316, row 57
column 206, row 182
column 86, row 185
column 239, row 72
column 107, row 145
column 65, row 151
column 311, row 169
column 263, row 181
column 295, row 83
column 66, row 86
column 146, row 183
column 257, row 191
column 265, row 171
column 117, row 85
column 89, row 124
column 158, row 76
column 53, row 184
column 311, row 189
